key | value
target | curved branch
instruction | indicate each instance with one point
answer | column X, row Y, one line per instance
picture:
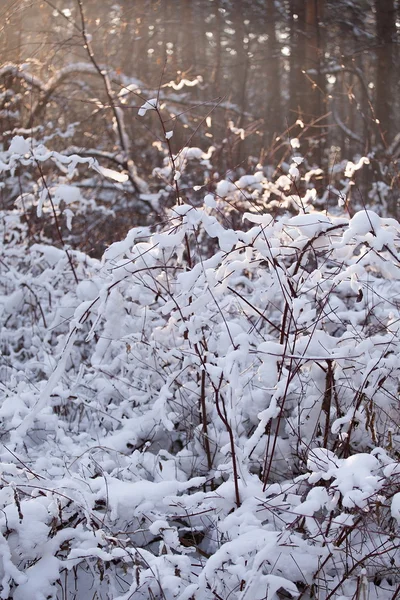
column 19, row 72
column 343, row 127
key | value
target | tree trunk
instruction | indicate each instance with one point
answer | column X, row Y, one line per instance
column 307, row 83
column 314, row 57
column 273, row 117
column 241, row 72
column 385, row 31
column 297, row 81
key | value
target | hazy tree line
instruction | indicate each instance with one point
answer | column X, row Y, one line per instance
column 242, row 75
column 274, row 59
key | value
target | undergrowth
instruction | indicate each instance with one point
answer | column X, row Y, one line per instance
column 210, row 411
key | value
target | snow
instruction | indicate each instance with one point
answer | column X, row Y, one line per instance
column 209, row 201
column 363, row 222
column 295, row 143
column 193, row 153
column 87, row 290
column 184, row 83
column 395, row 507
column 224, row 187
column 19, row 145
column 113, row 175
column 67, row 193
column 209, row 410
column 128, row 497
column 312, row 224
column 149, row 105
column 351, row 167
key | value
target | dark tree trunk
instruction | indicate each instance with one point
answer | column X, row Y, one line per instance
column 314, row 57
column 274, row 123
column 241, row 72
column 128, row 38
column 385, row 31
column 189, row 39
column 217, row 69
column 298, row 82
column 307, row 83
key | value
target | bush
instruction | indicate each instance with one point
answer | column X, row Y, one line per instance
column 211, row 411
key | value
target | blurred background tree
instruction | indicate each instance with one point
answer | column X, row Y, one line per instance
column 268, row 70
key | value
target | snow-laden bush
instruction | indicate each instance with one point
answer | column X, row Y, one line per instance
column 210, row 412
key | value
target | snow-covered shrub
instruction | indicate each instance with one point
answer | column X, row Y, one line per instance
column 211, row 411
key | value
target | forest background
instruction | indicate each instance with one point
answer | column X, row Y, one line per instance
column 324, row 72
